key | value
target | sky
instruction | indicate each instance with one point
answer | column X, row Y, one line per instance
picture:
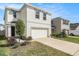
column 69, row 11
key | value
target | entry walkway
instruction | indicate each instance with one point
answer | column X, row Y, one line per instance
column 65, row 46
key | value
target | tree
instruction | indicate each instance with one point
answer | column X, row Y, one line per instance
column 20, row 27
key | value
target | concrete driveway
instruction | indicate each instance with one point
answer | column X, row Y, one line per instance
column 65, row 46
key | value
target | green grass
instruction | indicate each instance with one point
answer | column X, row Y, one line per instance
column 70, row 39
column 76, row 36
column 4, row 51
column 37, row 49
column 2, row 42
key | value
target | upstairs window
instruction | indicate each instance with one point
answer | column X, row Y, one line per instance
column 37, row 14
column 44, row 16
column 14, row 13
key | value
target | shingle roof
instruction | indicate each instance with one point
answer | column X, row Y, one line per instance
column 59, row 18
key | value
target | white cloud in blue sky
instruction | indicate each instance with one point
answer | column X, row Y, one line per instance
column 68, row 11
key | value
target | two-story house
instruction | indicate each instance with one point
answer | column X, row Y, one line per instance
column 37, row 21
column 74, row 28
column 59, row 24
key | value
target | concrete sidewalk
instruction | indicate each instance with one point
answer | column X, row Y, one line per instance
column 65, row 46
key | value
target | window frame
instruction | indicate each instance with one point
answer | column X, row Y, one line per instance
column 44, row 16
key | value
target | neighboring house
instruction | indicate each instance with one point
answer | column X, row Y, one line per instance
column 74, row 28
column 37, row 21
column 59, row 25
column 2, row 29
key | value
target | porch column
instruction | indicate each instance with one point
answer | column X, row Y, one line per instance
column 9, row 31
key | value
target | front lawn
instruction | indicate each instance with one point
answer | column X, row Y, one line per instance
column 31, row 49
column 4, row 51
column 37, row 49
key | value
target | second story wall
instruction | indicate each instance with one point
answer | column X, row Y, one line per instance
column 31, row 17
column 10, row 16
column 65, row 26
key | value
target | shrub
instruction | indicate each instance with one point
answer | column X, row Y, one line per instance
column 60, row 35
column 54, row 34
column 29, row 38
column 23, row 44
column 63, row 34
column 11, row 40
column 24, row 38
column 71, row 34
column 20, row 27
column 2, row 37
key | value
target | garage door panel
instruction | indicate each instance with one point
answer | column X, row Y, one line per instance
column 39, row 33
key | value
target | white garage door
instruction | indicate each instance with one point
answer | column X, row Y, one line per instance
column 39, row 33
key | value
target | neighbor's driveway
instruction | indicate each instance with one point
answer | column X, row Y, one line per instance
column 65, row 46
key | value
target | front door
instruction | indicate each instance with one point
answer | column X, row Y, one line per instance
column 12, row 30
